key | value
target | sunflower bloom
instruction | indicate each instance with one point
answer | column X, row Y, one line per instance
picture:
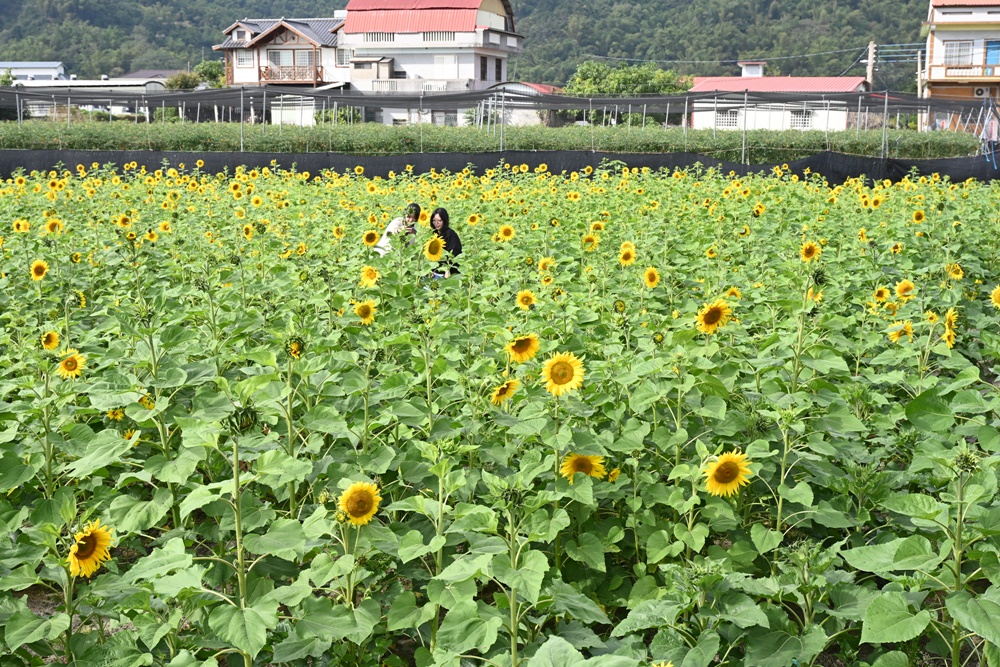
column 370, row 238
column 50, row 340
column 91, row 547
column 651, row 277
column 626, row 257
column 733, row 293
column 809, row 251
column 525, row 299
column 360, row 502
column 995, row 297
column 588, row 464
column 523, row 348
column 366, row 311
column 881, row 294
column 949, row 338
column 713, row 315
column 506, row 233
column 954, row 271
column 38, row 269
column 369, row 276
column 72, row 365
column 900, row 329
column 434, row 249
column 904, row 290
column 562, row 373
column 726, row 474
column 505, row 392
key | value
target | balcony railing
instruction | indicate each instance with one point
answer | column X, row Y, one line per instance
column 292, row 73
column 419, row 85
column 944, row 72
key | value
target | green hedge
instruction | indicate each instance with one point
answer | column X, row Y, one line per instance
column 373, row 139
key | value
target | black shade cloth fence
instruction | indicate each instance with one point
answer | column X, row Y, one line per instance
column 835, row 167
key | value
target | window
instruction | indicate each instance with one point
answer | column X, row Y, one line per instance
column 446, row 118
column 279, row 58
column 801, row 120
column 380, row 37
column 958, row 53
column 499, row 70
column 727, row 119
column 482, row 67
column 992, row 52
column 343, row 57
column 362, row 65
column 241, row 35
column 304, row 58
column 244, row 58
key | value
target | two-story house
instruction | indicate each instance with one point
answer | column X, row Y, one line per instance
column 963, row 50
column 381, row 47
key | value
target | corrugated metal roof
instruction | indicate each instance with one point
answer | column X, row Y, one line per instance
column 965, row 3
column 320, row 30
column 778, row 84
column 426, row 20
column 409, row 5
column 8, row 64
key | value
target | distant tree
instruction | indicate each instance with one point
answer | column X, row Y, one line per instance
column 7, row 79
column 212, row 72
column 598, row 79
column 183, row 81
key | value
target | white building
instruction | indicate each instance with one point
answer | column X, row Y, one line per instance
column 34, row 70
column 722, row 105
column 395, row 47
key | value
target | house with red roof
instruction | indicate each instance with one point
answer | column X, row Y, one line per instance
column 757, row 102
column 963, row 50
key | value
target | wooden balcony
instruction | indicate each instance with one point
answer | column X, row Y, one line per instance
column 292, row 74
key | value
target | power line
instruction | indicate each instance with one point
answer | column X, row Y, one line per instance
column 725, row 62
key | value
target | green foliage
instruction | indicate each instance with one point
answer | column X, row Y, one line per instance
column 599, row 79
column 212, row 72
column 375, row 139
column 183, row 81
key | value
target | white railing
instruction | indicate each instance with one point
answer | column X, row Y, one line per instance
column 938, row 72
column 291, row 73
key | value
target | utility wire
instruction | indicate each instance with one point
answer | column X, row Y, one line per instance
column 724, row 62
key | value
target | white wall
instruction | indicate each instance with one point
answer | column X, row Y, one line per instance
column 777, row 117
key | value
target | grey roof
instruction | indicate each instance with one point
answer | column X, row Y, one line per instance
column 30, row 64
column 319, row 30
column 151, row 74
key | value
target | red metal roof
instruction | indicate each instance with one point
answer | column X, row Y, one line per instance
column 543, row 88
column 410, row 5
column 427, row 20
column 778, row 84
column 965, row 3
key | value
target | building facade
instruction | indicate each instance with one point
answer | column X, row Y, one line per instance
column 962, row 59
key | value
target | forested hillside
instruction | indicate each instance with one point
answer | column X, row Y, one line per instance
column 96, row 37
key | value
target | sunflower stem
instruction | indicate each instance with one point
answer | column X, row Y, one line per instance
column 292, row 505
column 241, row 576
column 70, row 610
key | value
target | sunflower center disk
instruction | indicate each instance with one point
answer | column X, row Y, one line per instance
column 713, row 316
column 561, row 373
column 359, row 505
column 583, row 465
column 726, row 472
column 86, row 547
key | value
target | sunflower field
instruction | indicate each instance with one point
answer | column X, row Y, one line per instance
column 656, row 419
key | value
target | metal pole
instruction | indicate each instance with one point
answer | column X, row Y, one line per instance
column 197, row 113
column 743, row 155
column 420, row 121
column 263, row 113
column 666, row 117
column 629, row 121
column 684, row 122
column 69, row 109
column 163, row 112
column 241, row 118
column 885, row 125
column 715, row 112
column 827, row 122
column 503, row 117
column 17, row 98
column 590, row 103
column 644, row 117
column 857, row 120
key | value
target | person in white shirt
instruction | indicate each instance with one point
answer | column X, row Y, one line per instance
column 398, row 225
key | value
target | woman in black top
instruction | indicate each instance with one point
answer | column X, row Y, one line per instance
column 452, row 244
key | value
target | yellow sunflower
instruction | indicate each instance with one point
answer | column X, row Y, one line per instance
column 370, row 238
column 995, row 297
column 809, row 251
column 366, row 311
column 505, row 392
column 626, row 257
column 360, row 502
column 881, row 294
column 951, row 318
column 713, row 315
column 523, row 348
column 506, row 233
column 546, row 264
column 711, row 253
column 651, row 277
column 434, row 249
column 918, row 216
column 897, row 248
column 91, row 547
column 726, row 474
column 949, row 338
column 588, row 464
column 954, row 271
column 50, row 340
column 590, row 242
column 900, row 329
column 369, row 276
column 562, row 373
column 72, row 364
column 733, row 293
column 38, row 269
column 904, row 290
column 525, row 299
column 744, row 232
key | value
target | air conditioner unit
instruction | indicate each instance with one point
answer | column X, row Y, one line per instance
column 981, row 91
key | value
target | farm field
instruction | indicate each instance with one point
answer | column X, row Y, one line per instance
column 763, row 146
column 658, row 418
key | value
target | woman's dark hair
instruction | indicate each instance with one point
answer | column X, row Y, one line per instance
column 413, row 210
column 444, row 217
